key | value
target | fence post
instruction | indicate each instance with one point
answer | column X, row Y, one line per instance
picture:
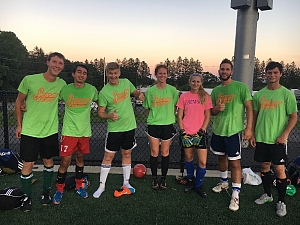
column 5, row 119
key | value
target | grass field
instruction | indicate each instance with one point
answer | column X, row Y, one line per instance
column 146, row 206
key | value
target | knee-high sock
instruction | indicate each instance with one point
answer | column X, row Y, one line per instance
column 26, row 184
column 47, row 175
column 267, row 182
column 200, row 173
column 281, row 185
column 126, row 173
column 78, row 176
column 60, row 181
column 164, row 165
column 153, row 165
column 103, row 176
column 189, row 169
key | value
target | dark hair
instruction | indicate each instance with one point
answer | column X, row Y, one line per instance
column 80, row 65
column 112, row 66
column 159, row 67
column 53, row 54
column 272, row 65
column 227, row 61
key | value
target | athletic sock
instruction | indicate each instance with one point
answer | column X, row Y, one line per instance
column 164, row 165
column 47, row 175
column 189, row 169
column 267, row 182
column 200, row 173
column 224, row 176
column 103, row 176
column 236, row 188
column 126, row 177
column 281, row 185
column 26, row 184
column 78, row 176
column 60, row 181
column 153, row 165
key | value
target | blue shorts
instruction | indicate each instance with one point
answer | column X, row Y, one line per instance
column 230, row 146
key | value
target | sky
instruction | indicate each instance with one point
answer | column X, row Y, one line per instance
column 151, row 30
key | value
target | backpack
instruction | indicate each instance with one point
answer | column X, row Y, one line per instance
column 70, row 182
column 11, row 160
column 293, row 172
column 11, row 198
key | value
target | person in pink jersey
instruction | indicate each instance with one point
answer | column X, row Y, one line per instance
column 194, row 110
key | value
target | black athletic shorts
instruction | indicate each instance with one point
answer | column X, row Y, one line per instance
column 275, row 153
column 116, row 141
column 163, row 132
column 32, row 147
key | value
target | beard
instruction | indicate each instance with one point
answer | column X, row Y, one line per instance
column 225, row 78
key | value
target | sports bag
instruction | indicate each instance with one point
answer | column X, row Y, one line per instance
column 70, row 182
column 11, row 198
column 10, row 160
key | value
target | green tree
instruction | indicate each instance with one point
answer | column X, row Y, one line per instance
column 12, row 55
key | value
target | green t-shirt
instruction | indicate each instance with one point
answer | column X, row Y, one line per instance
column 77, row 111
column 118, row 97
column 41, row 116
column 274, row 108
column 231, row 120
column 161, row 103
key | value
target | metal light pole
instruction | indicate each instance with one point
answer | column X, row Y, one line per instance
column 245, row 39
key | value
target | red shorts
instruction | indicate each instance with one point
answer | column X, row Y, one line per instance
column 69, row 145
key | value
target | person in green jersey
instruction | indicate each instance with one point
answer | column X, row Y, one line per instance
column 275, row 115
column 229, row 100
column 38, row 127
column 160, row 101
column 115, row 106
column 76, row 130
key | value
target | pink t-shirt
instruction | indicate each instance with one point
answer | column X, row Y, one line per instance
column 193, row 111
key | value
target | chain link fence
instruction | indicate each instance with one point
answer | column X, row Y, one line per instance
column 141, row 153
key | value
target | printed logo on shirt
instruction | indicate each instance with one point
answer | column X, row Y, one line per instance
column 192, row 102
column 269, row 104
column 226, row 98
column 73, row 102
column 120, row 97
column 160, row 101
column 43, row 96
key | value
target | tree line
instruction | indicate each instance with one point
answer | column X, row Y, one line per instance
column 16, row 62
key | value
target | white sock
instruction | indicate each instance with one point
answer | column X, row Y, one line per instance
column 224, row 175
column 126, row 176
column 103, row 176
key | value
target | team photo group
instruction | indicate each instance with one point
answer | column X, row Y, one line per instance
column 235, row 115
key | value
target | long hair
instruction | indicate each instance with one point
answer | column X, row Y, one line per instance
column 201, row 92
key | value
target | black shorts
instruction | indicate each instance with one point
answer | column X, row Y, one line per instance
column 277, row 154
column 163, row 132
column 32, row 147
column 120, row 140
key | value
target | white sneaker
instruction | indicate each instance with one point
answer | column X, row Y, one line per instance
column 281, row 209
column 264, row 199
column 220, row 187
column 234, row 204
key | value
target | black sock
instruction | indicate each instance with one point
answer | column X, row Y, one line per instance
column 153, row 165
column 267, row 182
column 164, row 165
column 281, row 185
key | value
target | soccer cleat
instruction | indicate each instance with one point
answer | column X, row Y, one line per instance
column 45, row 198
column 154, row 184
column 201, row 192
column 163, row 184
column 57, row 197
column 234, row 204
column 26, row 204
column 281, row 209
column 85, row 183
column 122, row 191
column 82, row 192
column 181, row 180
column 190, row 185
column 264, row 199
column 220, row 187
